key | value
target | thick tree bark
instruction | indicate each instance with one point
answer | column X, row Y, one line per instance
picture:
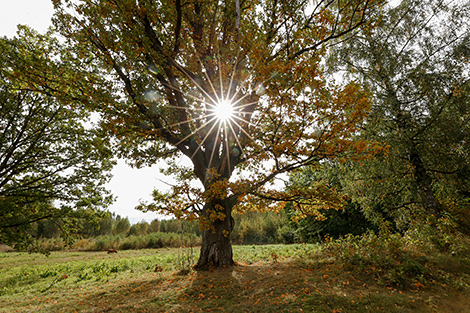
column 216, row 248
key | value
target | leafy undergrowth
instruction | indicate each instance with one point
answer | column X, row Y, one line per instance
column 281, row 278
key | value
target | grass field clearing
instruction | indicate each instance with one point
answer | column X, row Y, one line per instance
column 281, row 278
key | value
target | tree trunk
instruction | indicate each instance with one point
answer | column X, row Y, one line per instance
column 424, row 182
column 216, row 248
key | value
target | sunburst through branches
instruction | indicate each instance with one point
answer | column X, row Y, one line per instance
column 223, row 110
column 217, row 114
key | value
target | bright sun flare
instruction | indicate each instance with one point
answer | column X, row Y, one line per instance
column 223, row 110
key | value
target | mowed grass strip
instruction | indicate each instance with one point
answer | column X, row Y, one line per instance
column 281, row 278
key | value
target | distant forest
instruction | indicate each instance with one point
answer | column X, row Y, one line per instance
column 111, row 231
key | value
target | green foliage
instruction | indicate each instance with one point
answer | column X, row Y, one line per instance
column 257, row 228
column 416, row 64
column 122, row 226
column 155, row 226
column 335, row 223
column 250, row 228
column 52, row 164
column 390, row 258
column 131, row 242
column 319, row 221
column 140, row 228
column 158, row 240
column 444, row 236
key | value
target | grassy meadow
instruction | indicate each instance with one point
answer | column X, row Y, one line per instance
column 333, row 277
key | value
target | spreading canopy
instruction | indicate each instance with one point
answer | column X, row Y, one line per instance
column 168, row 65
column 157, row 72
column 51, row 162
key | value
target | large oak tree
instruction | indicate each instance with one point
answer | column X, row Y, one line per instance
column 160, row 71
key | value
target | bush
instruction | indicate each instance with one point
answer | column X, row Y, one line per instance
column 390, row 257
column 287, row 235
column 103, row 243
column 52, row 244
column 444, row 236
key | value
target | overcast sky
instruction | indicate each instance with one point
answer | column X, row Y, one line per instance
column 128, row 184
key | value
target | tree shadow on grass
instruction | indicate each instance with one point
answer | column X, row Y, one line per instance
column 293, row 286
column 297, row 286
column 286, row 287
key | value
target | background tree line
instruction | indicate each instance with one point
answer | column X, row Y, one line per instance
column 113, row 231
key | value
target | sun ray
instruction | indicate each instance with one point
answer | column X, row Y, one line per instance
column 227, row 145
column 236, row 93
column 191, row 120
column 220, row 78
column 243, row 105
column 204, row 140
column 243, row 130
column 249, row 74
column 208, row 79
column 235, row 103
column 233, row 76
column 183, row 108
column 195, row 82
column 236, row 138
column 213, row 149
column 187, row 93
column 241, row 118
column 198, row 129
column 231, row 98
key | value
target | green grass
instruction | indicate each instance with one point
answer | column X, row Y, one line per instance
column 281, row 278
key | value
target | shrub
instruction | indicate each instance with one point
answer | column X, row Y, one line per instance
column 287, row 235
column 390, row 257
column 103, row 243
column 51, row 244
column 444, row 236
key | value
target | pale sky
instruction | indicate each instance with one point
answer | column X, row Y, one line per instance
column 128, row 184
